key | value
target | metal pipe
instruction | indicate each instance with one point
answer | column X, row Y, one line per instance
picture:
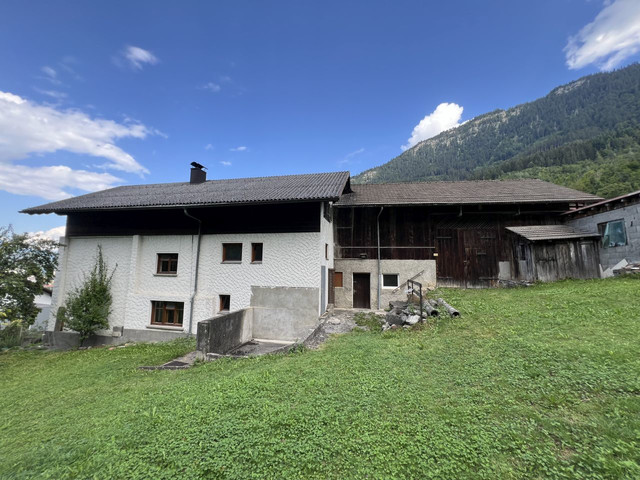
column 452, row 311
column 379, row 273
column 195, row 281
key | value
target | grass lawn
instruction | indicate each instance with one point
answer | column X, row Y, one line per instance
column 540, row 382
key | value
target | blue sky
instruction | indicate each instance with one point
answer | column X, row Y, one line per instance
column 99, row 94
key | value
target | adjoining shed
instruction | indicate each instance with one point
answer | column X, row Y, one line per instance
column 553, row 252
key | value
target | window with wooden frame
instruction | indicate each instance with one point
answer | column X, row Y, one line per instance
column 337, row 279
column 390, row 280
column 167, row 264
column 225, row 303
column 232, row 252
column 256, row 253
column 167, row 313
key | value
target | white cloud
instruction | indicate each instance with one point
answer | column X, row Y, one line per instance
column 51, row 93
column 51, row 234
column 241, row 148
column 139, row 57
column 349, row 156
column 225, row 163
column 27, row 128
column 49, row 72
column 208, row 146
column 444, row 117
column 212, row 87
column 612, row 37
column 51, row 183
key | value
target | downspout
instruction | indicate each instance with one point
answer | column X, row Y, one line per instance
column 379, row 275
column 195, row 281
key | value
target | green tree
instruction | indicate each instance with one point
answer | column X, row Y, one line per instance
column 87, row 308
column 27, row 263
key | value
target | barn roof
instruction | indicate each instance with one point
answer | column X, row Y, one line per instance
column 463, row 193
column 281, row 189
column 550, row 232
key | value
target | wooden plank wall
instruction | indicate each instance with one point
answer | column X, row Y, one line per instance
column 468, row 246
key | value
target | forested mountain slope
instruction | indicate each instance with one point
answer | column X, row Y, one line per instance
column 584, row 135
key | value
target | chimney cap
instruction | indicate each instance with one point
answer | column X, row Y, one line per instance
column 197, row 165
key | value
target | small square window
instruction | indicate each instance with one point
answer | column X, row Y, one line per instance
column 613, row 234
column 326, row 251
column 167, row 313
column 390, row 280
column 337, row 279
column 225, row 303
column 167, row 263
column 256, row 253
column 231, row 252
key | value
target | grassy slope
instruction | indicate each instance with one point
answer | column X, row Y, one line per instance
column 537, row 382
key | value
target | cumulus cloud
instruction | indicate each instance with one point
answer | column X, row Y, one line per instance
column 225, row 163
column 612, row 37
column 52, row 183
column 138, row 58
column 241, row 148
column 444, row 117
column 28, row 128
column 51, row 234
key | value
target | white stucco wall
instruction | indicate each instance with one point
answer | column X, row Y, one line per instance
column 289, row 260
column 326, row 238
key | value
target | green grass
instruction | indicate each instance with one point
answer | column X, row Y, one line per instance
column 540, row 382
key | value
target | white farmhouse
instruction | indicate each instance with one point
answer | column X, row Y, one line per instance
column 184, row 252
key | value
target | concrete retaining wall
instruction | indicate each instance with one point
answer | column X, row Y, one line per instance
column 406, row 269
column 284, row 313
column 224, row 333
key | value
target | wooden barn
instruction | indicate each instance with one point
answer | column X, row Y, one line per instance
column 437, row 233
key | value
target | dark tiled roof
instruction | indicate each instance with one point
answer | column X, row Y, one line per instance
column 550, row 232
column 463, row 193
column 289, row 188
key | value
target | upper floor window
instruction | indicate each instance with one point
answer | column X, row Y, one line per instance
column 256, row 253
column 613, row 234
column 167, row 263
column 231, row 252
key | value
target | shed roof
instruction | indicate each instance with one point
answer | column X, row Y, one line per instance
column 616, row 202
column 463, row 193
column 550, row 232
column 281, row 189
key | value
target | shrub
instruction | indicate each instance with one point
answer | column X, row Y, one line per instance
column 87, row 308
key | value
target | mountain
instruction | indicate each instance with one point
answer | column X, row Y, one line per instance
column 584, row 135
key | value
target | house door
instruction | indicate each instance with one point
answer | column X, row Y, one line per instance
column 361, row 290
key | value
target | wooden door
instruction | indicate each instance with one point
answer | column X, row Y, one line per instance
column 450, row 260
column 361, row 290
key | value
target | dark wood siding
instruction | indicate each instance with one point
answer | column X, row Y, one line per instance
column 293, row 217
column 467, row 244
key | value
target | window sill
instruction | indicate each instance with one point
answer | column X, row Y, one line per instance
column 257, row 263
column 165, row 327
column 390, row 288
column 165, row 274
column 232, row 262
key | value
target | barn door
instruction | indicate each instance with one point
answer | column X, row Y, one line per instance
column 361, row 290
column 450, row 261
column 481, row 258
